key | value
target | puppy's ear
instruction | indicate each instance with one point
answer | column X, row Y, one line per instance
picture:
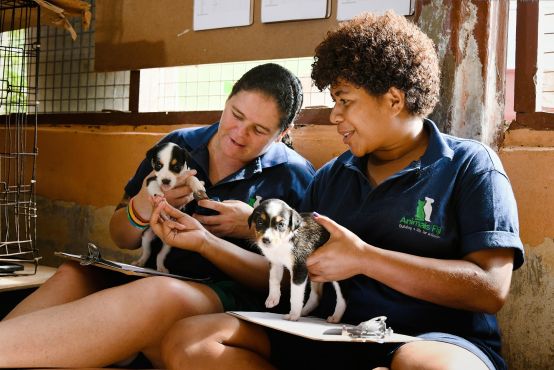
column 152, row 151
column 295, row 220
column 250, row 220
column 182, row 154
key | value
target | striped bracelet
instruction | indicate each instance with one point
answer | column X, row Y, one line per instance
column 134, row 219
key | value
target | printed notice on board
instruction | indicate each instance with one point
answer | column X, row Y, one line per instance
column 210, row 14
column 348, row 9
column 291, row 10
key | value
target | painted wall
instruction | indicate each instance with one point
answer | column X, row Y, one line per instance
column 527, row 319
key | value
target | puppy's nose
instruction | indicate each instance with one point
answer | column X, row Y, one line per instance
column 166, row 181
column 265, row 240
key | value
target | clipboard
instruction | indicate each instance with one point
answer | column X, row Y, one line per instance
column 317, row 329
column 95, row 259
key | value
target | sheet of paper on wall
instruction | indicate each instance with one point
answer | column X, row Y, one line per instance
column 318, row 329
column 211, row 14
column 348, row 9
column 291, row 10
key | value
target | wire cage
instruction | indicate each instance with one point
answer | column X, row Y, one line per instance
column 19, row 53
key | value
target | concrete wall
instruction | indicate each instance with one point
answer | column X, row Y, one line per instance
column 528, row 317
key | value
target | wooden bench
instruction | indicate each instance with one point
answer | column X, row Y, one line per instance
column 26, row 280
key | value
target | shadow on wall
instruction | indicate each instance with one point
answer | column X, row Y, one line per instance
column 68, row 227
column 526, row 319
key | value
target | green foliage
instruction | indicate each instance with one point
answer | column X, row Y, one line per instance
column 13, row 72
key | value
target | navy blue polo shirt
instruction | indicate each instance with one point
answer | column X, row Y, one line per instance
column 455, row 200
column 279, row 173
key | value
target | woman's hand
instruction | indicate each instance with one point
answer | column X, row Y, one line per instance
column 232, row 219
column 340, row 257
column 177, row 228
column 181, row 193
column 178, row 197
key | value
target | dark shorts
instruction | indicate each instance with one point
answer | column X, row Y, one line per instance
column 233, row 296
column 289, row 352
column 236, row 297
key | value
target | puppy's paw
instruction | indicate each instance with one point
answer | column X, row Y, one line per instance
column 200, row 194
column 334, row 319
column 306, row 310
column 163, row 269
column 138, row 263
column 156, row 199
column 292, row 316
column 272, row 301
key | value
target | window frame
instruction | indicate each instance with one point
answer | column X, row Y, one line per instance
column 525, row 96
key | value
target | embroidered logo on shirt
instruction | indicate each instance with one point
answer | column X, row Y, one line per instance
column 421, row 222
column 424, row 209
column 254, row 202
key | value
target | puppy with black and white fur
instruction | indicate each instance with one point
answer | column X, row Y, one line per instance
column 169, row 161
column 286, row 238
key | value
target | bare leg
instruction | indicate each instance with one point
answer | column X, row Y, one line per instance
column 70, row 282
column 104, row 327
column 217, row 341
column 431, row 355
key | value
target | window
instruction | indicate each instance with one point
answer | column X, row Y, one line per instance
column 206, row 87
column 14, row 64
column 69, row 84
column 534, row 63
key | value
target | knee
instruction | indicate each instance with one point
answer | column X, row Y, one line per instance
column 175, row 346
column 72, row 273
column 162, row 289
column 187, row 298
column 431, row 355
column 169, row 298
column 70, row 270
column 188, row 344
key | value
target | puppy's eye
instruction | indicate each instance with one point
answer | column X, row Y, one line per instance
column 157, row 166
column 281, row 226
column 259, row 224
column 176, row 168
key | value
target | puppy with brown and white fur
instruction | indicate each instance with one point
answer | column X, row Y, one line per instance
column 169, row 162
column 286, row 238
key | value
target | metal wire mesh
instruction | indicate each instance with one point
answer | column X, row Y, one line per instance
column 19, row 52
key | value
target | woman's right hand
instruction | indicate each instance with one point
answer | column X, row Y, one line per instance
column 178, row 197
column 178, row 229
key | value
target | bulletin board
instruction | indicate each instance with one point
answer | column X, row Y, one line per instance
column 136, row 34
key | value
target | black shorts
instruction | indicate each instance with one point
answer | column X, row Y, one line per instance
column 236, row 297
column 290, row 352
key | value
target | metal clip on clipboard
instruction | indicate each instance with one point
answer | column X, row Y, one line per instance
column 92, row 257
column 95, row 257
column 375, row 329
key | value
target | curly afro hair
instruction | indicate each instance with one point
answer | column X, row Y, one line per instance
column 377, row 52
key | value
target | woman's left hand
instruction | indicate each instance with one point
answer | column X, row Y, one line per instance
column 232, row 219
column 177, row 229
column 340, row 257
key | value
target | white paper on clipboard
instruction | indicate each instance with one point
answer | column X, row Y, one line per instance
column 313, row 328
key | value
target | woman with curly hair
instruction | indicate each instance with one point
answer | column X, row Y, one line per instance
column 424, row 226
